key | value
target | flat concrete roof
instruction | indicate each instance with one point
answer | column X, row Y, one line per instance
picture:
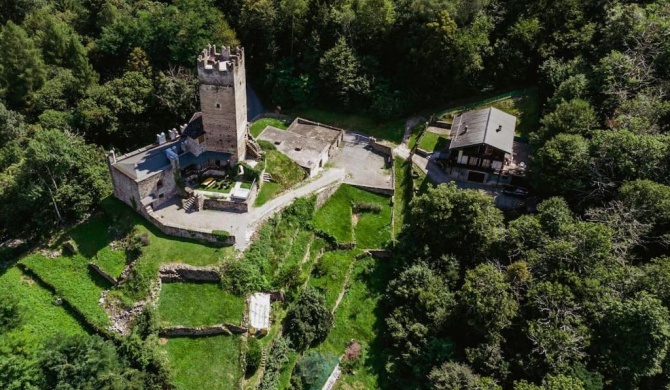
column 314, row 130
column 305, row 151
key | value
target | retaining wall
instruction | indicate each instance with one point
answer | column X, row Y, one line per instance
column 201, row 331
column 177, row 272
column 102, row 273
column 194, row 234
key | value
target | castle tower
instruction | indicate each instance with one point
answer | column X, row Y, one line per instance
column 223, row 100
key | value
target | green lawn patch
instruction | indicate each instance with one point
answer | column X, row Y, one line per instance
column 219, row 185
column 71, row 278
column 392, row 130
column 112, row 261
column 267, row 192
column 431, row 142
column 360, row 317
column 285, row 172
column 246, row 185
column 334, row 216
column 416, row 131
column 403, row 193
column 41, row 317
column 195, row 304
column 330, row 272
column 257, row 127
column 211, row 363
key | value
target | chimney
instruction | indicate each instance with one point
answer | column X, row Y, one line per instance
column 173, row 134
column 160, row 138
column 112, row 156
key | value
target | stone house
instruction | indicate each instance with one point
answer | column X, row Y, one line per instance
column 308, row 144
column 214, row 139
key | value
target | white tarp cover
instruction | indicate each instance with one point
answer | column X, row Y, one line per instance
column 259, row 310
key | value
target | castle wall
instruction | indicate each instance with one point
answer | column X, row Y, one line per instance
column 125, row 188
column 149, row 186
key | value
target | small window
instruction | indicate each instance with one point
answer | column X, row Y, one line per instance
column 161, row 196
column 159, row 184
column 218, row 105
column 298, row 149
column 277, row 142
column 201, row 139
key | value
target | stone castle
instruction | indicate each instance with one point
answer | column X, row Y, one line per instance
column 214, row 140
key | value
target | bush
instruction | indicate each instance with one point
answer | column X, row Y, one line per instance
column 254, row 356
column 353, row 356
column 300, row 212
column 266, row 145
column 71, row 247
column 221, row 235
column 134, row 244
column 242, row 277
column 362, row 207
column 11, row 313
column 278, row 357
column 308, row 321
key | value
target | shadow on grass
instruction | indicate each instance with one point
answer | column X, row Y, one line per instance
column 376, row 278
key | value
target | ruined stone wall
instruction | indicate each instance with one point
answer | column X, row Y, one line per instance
column 324, row 194
column 226, row 205
column 212, row 330
column 179, row 272
column 95, row 268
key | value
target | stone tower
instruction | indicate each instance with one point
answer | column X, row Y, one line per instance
column 223, row 100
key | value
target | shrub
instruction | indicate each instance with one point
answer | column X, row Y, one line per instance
column 362, row 207
column 221, row 235
column 242, row 277
column 134, row 244
column 254, row 356
column 11, row 313
column 353, row 355
column 266, row 145
column 278, row 357
column 308, row 321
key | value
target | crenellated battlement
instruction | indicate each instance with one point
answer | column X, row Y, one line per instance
column 220, row 67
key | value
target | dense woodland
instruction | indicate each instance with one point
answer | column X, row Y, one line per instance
column 574, row 296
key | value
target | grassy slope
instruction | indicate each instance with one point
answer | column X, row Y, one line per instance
column 211, row 363
column 403, row 193
column 257, row 127
column 389, row 130
column 360, row 317
column 42, row 319
column 197, row 304
column 334, row 266
column 432, row 142
column 284, row 171
column 335, row 216
column 372, row 229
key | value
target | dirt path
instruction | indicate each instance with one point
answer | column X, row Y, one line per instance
column 344, row 286
column 409, row 124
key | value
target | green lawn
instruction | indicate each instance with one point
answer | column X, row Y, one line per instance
column 416, row 130
column 388, row 130
column 301, row 243
column 403, row 193
column 431, row 142
column 372, row 230
column 220, row 185
column 360, row 317
column 71, row 278
column 112, row 261
column 42, row 318
column 211, row 363
column 257, row 127
column 329, row 274
column 246, row 185
column 335, row 216
column 285, row 172
column 196, row 304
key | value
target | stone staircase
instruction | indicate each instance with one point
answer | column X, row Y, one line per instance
column 267, row 177
column 254, row 149
column 189, row 203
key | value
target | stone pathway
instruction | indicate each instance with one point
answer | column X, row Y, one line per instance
column 243, row 225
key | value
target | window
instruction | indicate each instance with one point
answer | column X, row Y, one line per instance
column 161, row 196
column 217, row 105
column 201, row 139
column 159, row 184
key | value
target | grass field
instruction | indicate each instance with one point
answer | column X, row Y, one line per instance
column 111, row 261
column 359, row 316
column 257, row 127
column 431, row 142
column 330, row 272
column 373, row 230
column 42, row 318
column 285, row 173
column 211, row 363
column 389, row 130
column 196, row 304
column 71, row 278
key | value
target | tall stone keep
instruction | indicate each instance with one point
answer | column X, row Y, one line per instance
column 223, row 100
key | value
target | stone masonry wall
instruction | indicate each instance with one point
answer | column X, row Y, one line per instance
column 179, row 231
column 178, row 272
column 149, row 186
column 226, row 205
column 185, row 331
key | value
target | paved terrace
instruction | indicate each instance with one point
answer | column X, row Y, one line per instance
column 243, row 225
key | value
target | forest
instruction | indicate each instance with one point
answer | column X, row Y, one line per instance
column 573, row 296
